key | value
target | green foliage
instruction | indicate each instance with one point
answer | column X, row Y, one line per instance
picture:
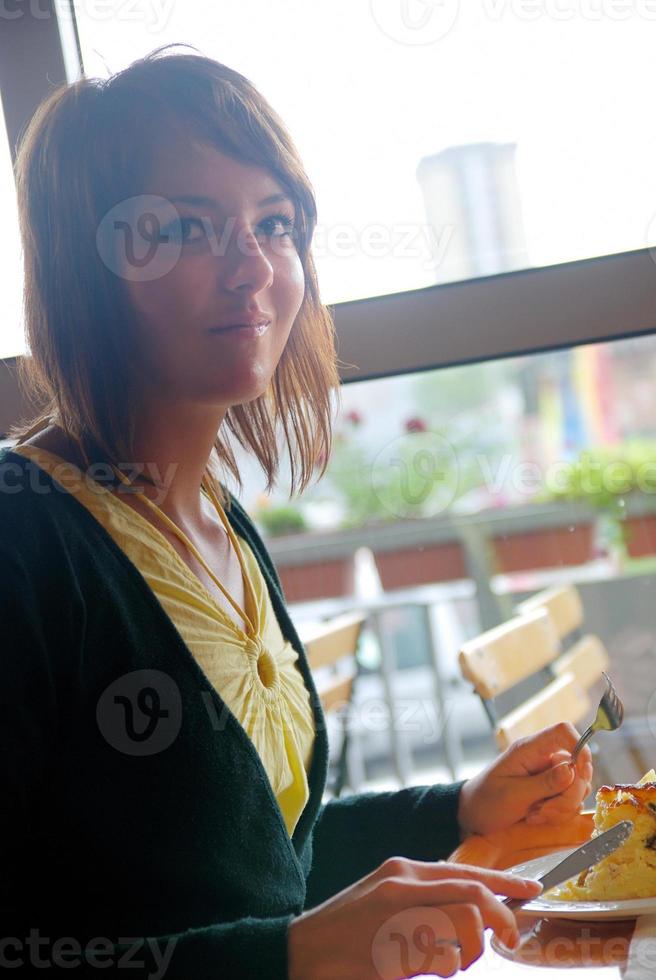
column 281, row 519
column 605, row 475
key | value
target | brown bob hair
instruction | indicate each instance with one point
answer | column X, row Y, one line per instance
column 89, row 146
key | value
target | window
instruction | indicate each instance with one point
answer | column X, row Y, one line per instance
column 445, row 141
column 471, row 488
column 11, row 331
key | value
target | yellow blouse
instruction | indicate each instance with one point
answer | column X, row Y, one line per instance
column 256, row 677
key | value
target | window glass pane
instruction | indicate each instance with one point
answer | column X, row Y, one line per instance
column 444, row 141
column 495, row 437
column 469, row 489
column 12, row 342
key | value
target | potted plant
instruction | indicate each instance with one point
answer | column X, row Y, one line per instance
column 620, row 482
column 547, row 546
column 302, row 581
column 280, row 519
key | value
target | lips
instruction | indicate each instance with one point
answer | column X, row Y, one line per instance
column 252, row 321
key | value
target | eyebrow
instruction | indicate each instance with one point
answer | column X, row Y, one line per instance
column 200, row 200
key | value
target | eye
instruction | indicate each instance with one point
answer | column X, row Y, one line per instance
column 175, row 231
column 278, row 225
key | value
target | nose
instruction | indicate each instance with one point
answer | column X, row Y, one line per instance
column 245, row 266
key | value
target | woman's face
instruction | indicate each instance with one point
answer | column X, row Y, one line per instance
column 227, row 259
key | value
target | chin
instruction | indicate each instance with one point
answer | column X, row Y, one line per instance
column 242, row 394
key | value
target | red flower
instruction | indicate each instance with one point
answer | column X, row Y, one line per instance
column 353, row 417
column 416, row 425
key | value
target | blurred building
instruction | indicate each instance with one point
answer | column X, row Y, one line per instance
column 474, row 210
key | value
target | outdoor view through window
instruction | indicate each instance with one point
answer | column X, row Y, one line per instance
column 485, row 484
column 444, row 140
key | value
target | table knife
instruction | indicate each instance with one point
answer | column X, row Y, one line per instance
column 586, row 856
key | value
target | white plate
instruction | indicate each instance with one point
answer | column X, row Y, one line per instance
column 551, row 908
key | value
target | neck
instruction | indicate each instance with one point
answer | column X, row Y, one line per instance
column 172, row 448
column 173, row 456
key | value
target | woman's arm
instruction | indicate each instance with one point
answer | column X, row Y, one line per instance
column 355, row 834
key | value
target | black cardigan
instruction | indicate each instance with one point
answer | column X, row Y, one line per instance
column 138, row 824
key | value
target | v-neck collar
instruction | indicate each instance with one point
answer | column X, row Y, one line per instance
column 250, row 614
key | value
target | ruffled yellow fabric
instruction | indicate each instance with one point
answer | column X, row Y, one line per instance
column 257, row 676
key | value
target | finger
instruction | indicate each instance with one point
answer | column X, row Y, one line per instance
column 500, row 882
column 585, row 771
column 537, row 750
column 445, row 959
column 543, row 785
column 555, row 811
column 583, row 760
column 494, row 913
column 468, row 926
column 559, row 813
column 570, row 799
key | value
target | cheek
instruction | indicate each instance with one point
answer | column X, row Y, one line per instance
column 288, row 287
column 177, row 288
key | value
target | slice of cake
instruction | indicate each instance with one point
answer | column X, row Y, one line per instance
column 630, row 871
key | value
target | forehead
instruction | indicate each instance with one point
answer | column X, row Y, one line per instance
column 185, row 167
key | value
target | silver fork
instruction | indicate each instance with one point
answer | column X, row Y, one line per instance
column 609, row 717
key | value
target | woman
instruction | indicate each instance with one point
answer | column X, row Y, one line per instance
column 163, row 745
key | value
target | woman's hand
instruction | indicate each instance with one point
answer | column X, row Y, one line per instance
column 531, row 780
column 387, row 925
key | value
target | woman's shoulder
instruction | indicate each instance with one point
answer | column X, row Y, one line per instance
column 31, row 503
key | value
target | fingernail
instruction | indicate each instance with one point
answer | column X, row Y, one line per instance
column 535, row 886
column 563, row 773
